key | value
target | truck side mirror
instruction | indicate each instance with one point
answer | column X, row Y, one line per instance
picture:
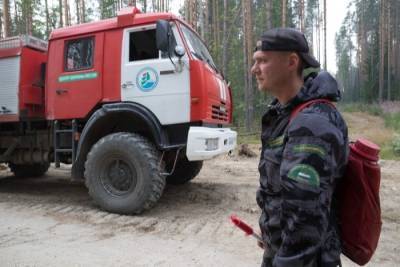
column 163, row 32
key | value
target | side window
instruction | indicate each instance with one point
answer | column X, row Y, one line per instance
column 142, row 45
column 79, row 54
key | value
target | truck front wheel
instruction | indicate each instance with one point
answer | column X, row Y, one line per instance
column 185, row 171
column 29, row 170
column 123, row 175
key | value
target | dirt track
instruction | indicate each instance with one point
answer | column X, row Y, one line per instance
column 51, row 221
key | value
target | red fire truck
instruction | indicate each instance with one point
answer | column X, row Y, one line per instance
column 132, row 102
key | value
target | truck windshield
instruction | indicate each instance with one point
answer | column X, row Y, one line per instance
column 197, row 47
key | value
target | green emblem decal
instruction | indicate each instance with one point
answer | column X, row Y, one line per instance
column 77, row 77
column 276, row 141
column 305, row 174
column 308, row 148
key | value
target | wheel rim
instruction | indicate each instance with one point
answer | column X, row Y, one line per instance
column 118, row 177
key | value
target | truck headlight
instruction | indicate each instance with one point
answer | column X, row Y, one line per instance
column 211, row 144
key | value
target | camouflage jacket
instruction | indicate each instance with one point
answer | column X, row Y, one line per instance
column 299, row 167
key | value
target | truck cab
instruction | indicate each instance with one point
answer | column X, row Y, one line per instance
column 132, row 102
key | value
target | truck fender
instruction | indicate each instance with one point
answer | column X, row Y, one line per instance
column 117, row 117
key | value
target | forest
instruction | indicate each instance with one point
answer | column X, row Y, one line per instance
column 367, row 44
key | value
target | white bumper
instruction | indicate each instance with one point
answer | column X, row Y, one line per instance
column 205, row 143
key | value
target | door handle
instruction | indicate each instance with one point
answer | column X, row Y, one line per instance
column 61, row 91
column 126, row 85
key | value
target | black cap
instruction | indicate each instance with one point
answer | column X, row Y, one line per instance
column 287, row 39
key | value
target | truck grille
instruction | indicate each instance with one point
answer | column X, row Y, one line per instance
column 219, row 112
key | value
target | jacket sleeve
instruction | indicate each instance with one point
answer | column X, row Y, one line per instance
column 307, row 182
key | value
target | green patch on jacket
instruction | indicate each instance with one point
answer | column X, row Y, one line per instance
column 310, row 148
column 305, row 174
column 278, row 141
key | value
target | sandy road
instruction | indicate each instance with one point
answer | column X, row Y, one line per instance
column 51, row 221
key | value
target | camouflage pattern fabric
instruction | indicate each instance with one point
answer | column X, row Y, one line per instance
column 299, row 167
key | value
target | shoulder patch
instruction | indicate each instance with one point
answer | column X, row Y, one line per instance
column 305, row 174
column 310, row 148
column 275, row 142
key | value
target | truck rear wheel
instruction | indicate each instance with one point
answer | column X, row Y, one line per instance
column 29, row 170
column 185, row 171
column 123, row 175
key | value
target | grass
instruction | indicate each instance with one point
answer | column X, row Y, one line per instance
column 372, row 109
column 391, row 121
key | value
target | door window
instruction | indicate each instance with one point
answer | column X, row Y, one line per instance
column 79, row 54
column 142, row 45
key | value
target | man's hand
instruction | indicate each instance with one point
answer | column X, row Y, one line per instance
column 259, row 243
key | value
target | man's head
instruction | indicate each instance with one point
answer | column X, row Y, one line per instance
column 279, row 59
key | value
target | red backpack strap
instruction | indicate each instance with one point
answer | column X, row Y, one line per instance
column 306, row 104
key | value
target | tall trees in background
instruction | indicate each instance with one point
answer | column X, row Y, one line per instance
column 6, row 18
column 367, row 45
column 375, row 56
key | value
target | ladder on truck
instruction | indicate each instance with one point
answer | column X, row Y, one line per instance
column 58, row 148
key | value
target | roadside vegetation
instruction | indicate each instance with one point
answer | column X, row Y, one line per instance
column 388, row 139
column 380, row 124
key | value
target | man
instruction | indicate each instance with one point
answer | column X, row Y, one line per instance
column 301, row 160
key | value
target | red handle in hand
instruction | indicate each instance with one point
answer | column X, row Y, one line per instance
column 242, row 225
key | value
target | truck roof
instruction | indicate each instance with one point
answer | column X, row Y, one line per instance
column 21, row 41
column 130, row 16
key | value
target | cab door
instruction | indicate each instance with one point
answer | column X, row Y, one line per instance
column 148, row 77
column 74, row 76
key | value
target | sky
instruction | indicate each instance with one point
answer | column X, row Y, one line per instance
column 336, row 11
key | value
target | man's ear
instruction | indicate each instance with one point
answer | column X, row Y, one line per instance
column 293, row 61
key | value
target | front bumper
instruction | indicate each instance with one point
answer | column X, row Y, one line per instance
column 205, row 143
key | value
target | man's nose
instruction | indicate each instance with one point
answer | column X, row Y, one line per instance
column 253, row 69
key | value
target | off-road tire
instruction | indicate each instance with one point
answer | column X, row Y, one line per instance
column 122, row 173
column 185, row 171
column 29, row 170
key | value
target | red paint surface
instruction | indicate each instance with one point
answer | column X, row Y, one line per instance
column 31, row 95
column 78, row 97
column 205, row 88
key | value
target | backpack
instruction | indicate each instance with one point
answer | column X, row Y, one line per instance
column 359, row 212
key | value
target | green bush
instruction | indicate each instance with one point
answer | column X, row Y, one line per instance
column 392, row 120
column 396, row 145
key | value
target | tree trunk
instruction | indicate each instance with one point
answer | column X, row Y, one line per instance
column 66, row 13
column 7, row 18
column 225, row 38
column 284, row 13
column 389, row 40
column 325, row 28
column 17, row 19
column 301, row 15
column 83, row 11
column 269, row 18
column 363, row 49
column 78, row 12
column 1, row 33
column 318, row 32
column 381, row 49
column 46, row 6
column 247, row 59
column 60, row 7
